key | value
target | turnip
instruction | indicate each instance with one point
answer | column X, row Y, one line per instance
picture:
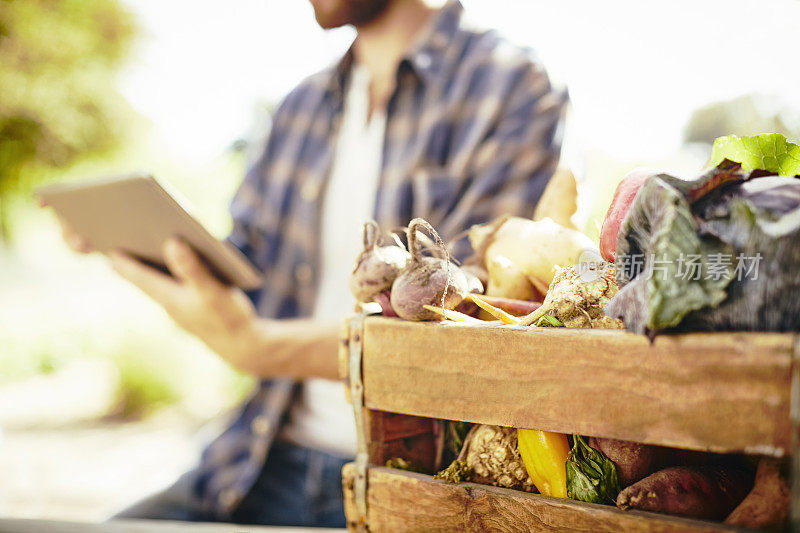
column 428, row 280
column 377, row 266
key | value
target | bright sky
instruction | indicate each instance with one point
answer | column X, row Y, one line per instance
column 636, row 69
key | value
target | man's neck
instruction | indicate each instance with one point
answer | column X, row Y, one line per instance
column 382, row 42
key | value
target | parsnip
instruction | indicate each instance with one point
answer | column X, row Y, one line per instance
column 520, row 254
column 559, row 200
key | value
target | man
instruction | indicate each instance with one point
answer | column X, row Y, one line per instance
column 423, row 116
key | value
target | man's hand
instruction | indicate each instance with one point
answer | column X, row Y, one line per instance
column 222, row 316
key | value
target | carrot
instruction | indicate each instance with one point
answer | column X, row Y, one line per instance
column 710, row 492
column 455, row 316
column 496, row 312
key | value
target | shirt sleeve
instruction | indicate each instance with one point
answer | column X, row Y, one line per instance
column 513, row 163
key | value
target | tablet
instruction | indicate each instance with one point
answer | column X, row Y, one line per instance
column 135, row 214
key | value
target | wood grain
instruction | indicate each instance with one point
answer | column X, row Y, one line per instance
column 11, row 525
column 400, row 501
column 722, row 392
column 344, row 357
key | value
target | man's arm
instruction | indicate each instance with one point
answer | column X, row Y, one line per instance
column 511, row 166
column 224, row 318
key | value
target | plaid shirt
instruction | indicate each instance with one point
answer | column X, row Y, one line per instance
column 473, row 132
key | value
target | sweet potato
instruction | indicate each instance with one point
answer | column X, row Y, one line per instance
column 709, row 492
column 767, row 505
column 634, row 461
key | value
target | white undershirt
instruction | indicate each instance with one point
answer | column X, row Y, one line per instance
column 321, row 418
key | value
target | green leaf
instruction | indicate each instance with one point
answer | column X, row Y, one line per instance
column 457, row 432
column 770, row 152
column 591, row 476
column 549, row 321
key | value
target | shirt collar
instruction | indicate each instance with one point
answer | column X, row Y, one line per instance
column 425, row 56
column 428, row 53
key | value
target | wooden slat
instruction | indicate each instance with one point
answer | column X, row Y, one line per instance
column 723, row 392
column 344, row 357
column 12, row 525
column 400, row 501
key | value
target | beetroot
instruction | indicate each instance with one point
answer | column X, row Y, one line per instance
column 428, row 280
column 384, row 299
column 377, row 267
column 620, row 205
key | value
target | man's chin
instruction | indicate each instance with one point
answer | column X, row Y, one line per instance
column 332, row 14
column 330, row 23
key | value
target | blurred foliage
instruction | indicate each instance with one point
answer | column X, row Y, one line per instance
column 162, row 370
column 57, row 62
column 143, row 385
column 746, row 115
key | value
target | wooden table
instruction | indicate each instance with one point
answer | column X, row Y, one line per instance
column 13, row 525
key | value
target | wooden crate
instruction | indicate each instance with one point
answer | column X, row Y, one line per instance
column 722, row 392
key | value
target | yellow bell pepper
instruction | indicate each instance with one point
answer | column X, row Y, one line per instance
column 545, row 454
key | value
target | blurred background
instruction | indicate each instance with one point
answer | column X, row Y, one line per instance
column 102, row 398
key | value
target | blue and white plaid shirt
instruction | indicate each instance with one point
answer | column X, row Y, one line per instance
column 473, row 132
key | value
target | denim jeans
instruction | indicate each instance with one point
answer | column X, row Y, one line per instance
column 298, row 486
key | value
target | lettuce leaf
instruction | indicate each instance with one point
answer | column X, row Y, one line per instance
column 770, row 152
column 591, row 476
